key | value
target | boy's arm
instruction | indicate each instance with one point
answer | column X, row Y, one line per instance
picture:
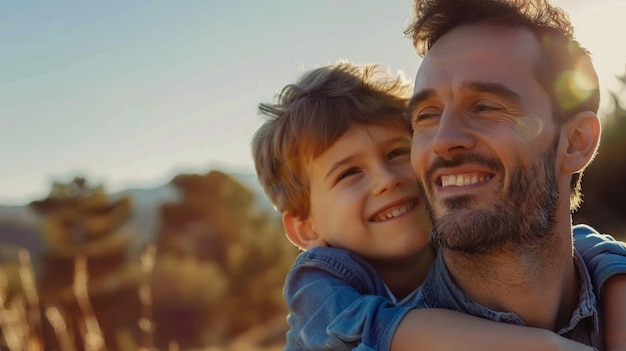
column 605, row 259
column 445, row 330
column 614, row 305
column 336, row 302
column 337, row 305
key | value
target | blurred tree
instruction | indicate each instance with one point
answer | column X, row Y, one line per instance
column 81, row 224
column 604, row 205
column 80, row 220
column 229, row 249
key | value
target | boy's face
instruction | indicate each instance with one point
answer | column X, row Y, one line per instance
column 364, row 197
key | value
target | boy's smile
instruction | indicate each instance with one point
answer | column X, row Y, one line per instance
column 395, row 210
column 364, row 197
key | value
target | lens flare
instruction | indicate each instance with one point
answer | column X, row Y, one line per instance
column 575, row 86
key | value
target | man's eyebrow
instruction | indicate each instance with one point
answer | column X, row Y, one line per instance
column 419, row 97
column 496, row 89
column 482, row 87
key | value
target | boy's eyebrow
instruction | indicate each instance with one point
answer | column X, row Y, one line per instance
column 338, row 164
column 477, row 86
column 351, row 158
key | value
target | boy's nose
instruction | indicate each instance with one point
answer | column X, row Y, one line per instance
column 386, row 179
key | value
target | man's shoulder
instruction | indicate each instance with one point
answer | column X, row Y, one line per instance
column 583, row 230
column 586, row 238
column 602, row 255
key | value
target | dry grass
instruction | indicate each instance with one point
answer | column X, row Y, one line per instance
column 21, row 315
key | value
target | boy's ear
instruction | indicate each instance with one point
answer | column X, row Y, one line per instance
column 583, row 137
column 300, row 232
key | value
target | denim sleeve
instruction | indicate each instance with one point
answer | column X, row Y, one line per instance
column 337, row 304
column 603, row 255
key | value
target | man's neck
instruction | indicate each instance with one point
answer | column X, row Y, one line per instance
column 540, row 284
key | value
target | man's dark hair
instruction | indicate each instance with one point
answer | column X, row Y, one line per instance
column 564, row 69
column 433, row 18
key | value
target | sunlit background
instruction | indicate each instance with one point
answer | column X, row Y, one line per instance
column 130, row 215
column 130, row 93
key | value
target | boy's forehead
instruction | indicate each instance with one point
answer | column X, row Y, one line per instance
column 317, row 145
column 348, row 145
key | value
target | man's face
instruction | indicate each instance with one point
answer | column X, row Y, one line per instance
column 485, row 145
column 364, row 197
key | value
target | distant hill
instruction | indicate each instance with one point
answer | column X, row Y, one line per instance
column 20, row 226
column 17, row 214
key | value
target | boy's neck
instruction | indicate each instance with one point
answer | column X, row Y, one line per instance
column 404, row 275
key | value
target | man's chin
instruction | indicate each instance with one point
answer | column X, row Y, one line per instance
column 461, row 214
column 470, row 231
column 475, row 249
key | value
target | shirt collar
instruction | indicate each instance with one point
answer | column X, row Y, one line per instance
column 440, row 291
column 587, row 302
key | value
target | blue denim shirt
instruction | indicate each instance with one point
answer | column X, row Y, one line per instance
column 337, row 301
column 440, row 291
column 602, row 254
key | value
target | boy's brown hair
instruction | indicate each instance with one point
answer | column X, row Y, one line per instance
column 311, row 115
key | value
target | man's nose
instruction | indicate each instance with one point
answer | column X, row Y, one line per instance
column 453, row 134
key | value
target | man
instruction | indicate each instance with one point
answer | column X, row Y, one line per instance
column 504, row 119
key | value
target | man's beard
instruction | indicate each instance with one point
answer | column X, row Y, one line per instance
column 521, row 217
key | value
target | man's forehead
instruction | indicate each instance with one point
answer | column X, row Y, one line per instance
column 483, row 43
column 469, row 36
column 477, row 53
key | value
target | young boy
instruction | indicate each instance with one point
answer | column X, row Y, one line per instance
column 333, row 156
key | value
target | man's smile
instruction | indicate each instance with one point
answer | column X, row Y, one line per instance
column 463, row 179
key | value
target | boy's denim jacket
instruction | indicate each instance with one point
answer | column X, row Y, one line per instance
column 338, row 302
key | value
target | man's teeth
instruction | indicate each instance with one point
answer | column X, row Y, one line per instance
column 463, row 179
column 395, row 213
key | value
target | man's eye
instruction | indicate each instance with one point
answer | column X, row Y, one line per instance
column 427, row 113
column 424, row 120
column 423, row 116
column 483, row 107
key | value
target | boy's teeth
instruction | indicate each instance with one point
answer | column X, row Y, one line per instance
column 463, row 179
column 394, row 213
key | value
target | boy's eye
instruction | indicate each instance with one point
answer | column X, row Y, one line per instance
column 399, row 152
column 348, row 172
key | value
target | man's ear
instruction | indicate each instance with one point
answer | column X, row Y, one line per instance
column 300, row 232
column 583, row 137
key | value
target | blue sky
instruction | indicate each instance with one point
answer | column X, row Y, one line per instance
column 130, row 93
